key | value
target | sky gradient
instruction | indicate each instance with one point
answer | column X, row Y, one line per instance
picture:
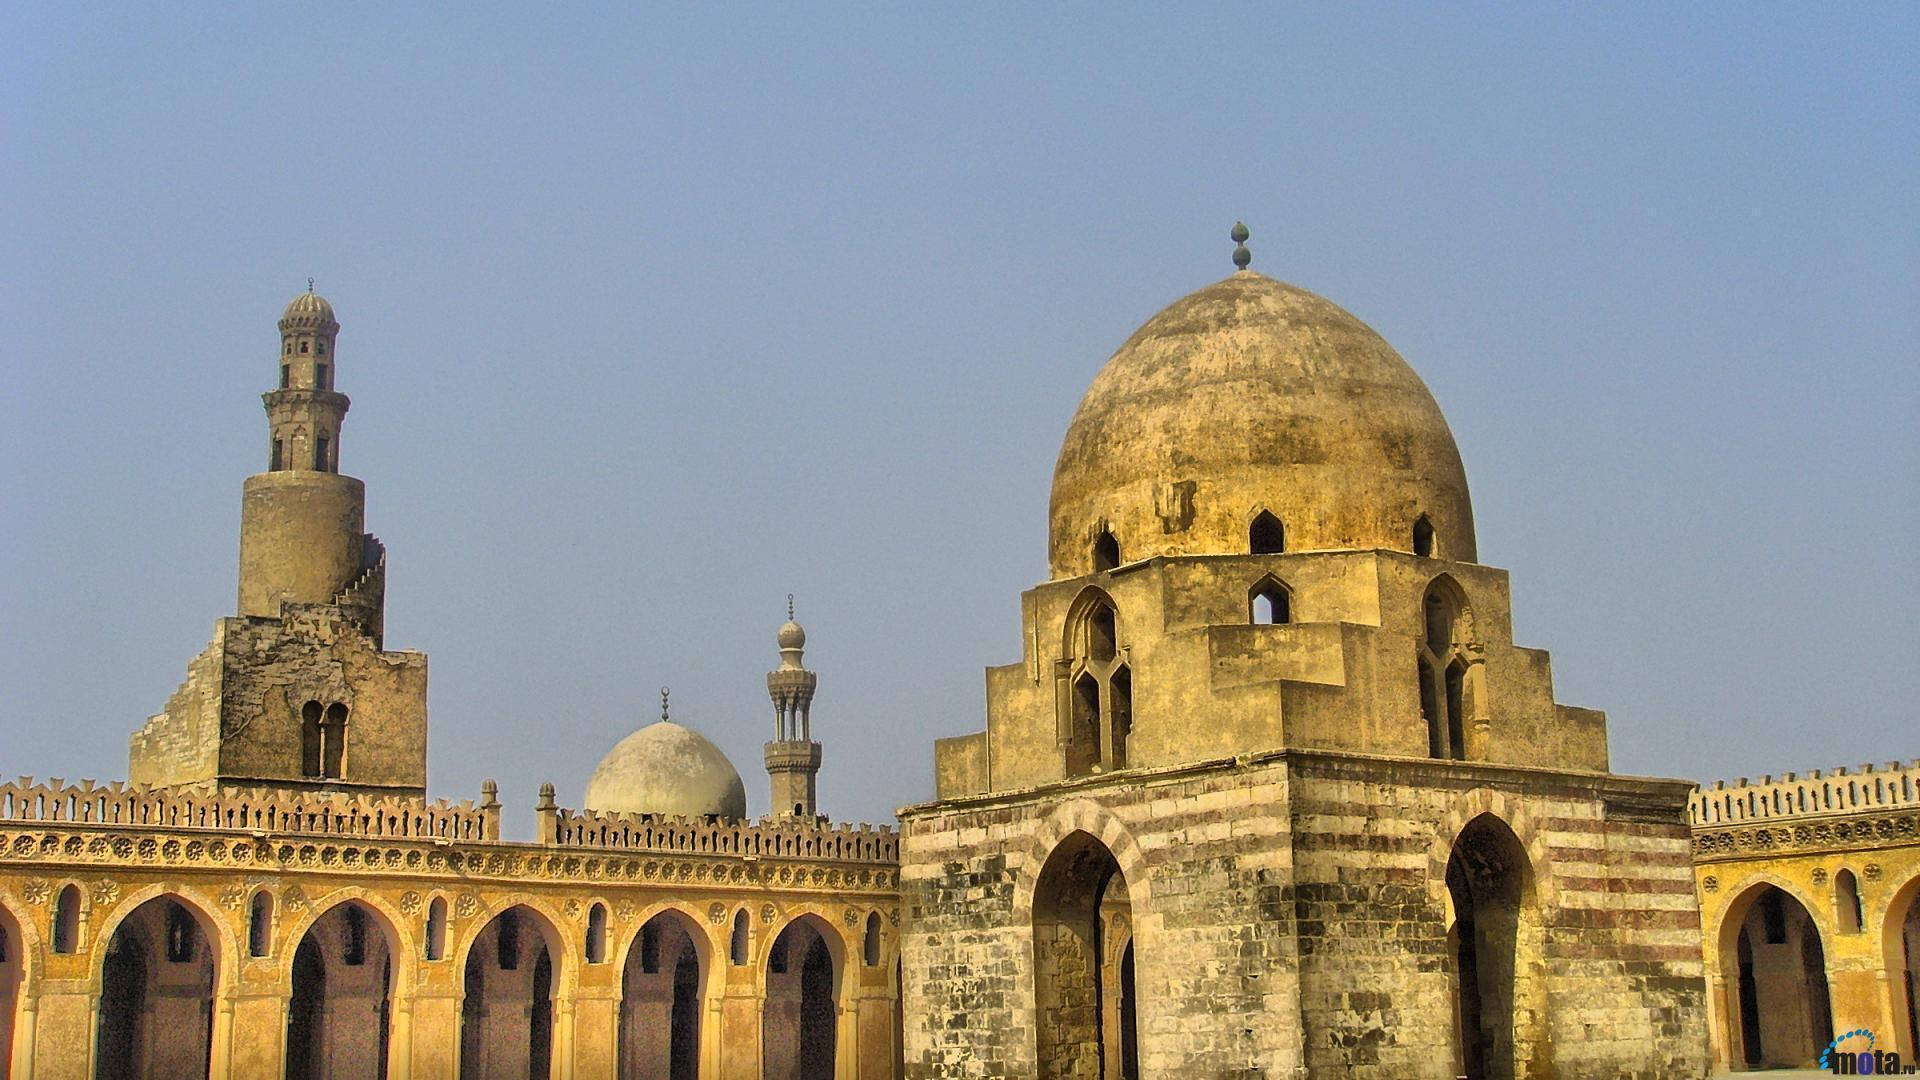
column 650, row 318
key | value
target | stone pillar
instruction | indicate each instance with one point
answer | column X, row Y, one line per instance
column 63, row 1034
column 256, row 1039
column 21, row 1061
column 435, row 1035
column 400, row 1039
column 596, row 1032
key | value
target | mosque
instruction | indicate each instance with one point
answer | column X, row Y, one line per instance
column 1269, row 791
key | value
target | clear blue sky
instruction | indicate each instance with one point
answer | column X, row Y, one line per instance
column 651, row 317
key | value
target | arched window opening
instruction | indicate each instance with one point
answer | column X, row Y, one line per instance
column 310, row 739
column 870, row 946
column 66, row 920
column 1489, row 880
column 437, row 929
column 660, row 1001
column 260, row 924
column 1848, row 911
column 1784, row 1016
column 1102, row 635
column 333, row 741
column 286, row 349
column 1083, row 742
column 320, row 454
column 1423, row 537
column 1086, row 1014
column 278, row 459
column 339, row 1016
column 1270, row 603
column 320, row 347
column 1106, row 552
column 303, row 348
column 1431, row 711
column 737, row 948
column 597, row 934
column 1903, row 953
column 156, row 996
column 1120, row 711
column 1266, row 536
column 286, row 375
column 320, row 374
column 1448, row 672
column 1457, row 710
column 506, row 1020
column 801, row 1009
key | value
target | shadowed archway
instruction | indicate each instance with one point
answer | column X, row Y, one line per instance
column 660, row 1001
column 339, row 1017
column 799, row 1036
column 1492, row 950
column 1085, row 1008
column 506, row 1017
column 1779, row 1014
column 156, row 994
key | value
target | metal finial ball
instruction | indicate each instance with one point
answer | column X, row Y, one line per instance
column 789, row 606
column 1241, row 256
column 1239, row 234
column 663, row 702
column 309, row 284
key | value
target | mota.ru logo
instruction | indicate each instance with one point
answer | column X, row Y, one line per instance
column 1855, row 1060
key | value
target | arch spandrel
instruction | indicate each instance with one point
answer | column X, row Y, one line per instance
column 1512, row 813
column 1087, row 816
column 228, row 946
column 402, row 947
column 562, row 950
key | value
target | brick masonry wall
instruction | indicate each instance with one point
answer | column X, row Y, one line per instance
column 1291, row 915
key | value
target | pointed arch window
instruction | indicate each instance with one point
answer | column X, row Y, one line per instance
column 66, row 920
column 597, row 934
column 1106, row 552
column 333, row 742
column 260, row 924
column 737, row 948
column 437, row 929
column 1848, row 911
column 1449, row 671
column 1270, row 603
column 1097, row 694
column 870, row 946
column 1266, row 536
column 310, row 714
column 1423, row 537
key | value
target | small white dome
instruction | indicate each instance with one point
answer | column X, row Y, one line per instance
column 668, row 770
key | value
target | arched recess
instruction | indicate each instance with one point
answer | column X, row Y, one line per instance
column 1494, row 951
column 663, row 988
column 1778, row 1013
column 1266, row 536
column 1096, row 713
column 512, row 973
column 159, row 974
column 340, row 1008
column 1848, row 914
column 1901, row 938
column 1450, row 672
column 799, row 1024
column 15, row 948
column 1085, row 1025
column 1106, row 551
column 1269, row 602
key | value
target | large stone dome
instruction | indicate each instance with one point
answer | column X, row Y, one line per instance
column 668, row 770
column 1253, row 395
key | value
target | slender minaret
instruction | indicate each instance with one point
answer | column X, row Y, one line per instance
column 301, row 539
column 793, row 758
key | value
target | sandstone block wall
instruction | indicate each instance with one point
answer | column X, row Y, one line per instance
column 1290, row 916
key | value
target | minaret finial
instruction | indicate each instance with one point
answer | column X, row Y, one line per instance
column 1241, row 256
column 309, row 284
column 789, row 605
column 663, row 702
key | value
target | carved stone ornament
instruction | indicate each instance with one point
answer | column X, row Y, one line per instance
column 1819, row 875
column 233, row 897
column 106, row 891
column 716, row 913
column 34, row 891
column 294, row 899
column 1710, row 884
column 1872, row 872
column 767, row 914
column 409, row 903
column 850, row 917
column 466, row 905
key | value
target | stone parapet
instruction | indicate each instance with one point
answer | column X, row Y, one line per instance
column 782, row 837
column 247, row 810
column 1892, row 786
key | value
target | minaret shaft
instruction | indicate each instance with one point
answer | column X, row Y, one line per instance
column 793, row 757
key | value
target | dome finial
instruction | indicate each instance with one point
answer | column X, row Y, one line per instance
column 309, row 284
column 789, row 605
column 1241, row 256
column 663, row 702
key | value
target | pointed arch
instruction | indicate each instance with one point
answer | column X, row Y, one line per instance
column 1848, row 914
column 17, row 968
column 260, row 923
column 806, row 976
column 164, row 963
column 1269, row 602
column 1084, row 1007
column 1266, row 535
column 1900, row 942
column 1423, row 537
column 1106, row 552
column 347, row 963
column 1773, row 963
column 513, row 969
column 666, row 977
column 1496, row 950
